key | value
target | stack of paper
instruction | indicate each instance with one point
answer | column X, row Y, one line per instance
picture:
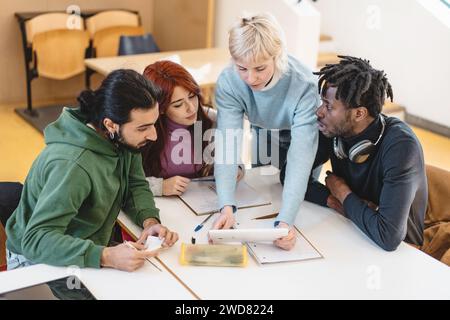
column 269, row 253
column 202, row 199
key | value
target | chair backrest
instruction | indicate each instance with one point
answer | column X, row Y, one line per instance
column 2, row 248
column 51, row 21
column 106, row 41
column 60, row 53
column 438, row 209
column 10, row 193
column 112, row 18
column 137, row 45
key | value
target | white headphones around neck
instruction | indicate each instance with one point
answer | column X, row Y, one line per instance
column 361, row 151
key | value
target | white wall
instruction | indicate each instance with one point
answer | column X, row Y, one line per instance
column 301, row 24
column 402, row 38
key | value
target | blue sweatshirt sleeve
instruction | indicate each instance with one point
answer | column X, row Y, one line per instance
column 228, row 140
column 387, row 227
column 301, row 154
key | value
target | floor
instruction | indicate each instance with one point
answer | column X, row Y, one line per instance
column 20, row 144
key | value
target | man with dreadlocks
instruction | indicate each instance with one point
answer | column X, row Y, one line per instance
column 378, row 179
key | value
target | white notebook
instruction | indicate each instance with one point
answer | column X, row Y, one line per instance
column 269, row 253
column 202, row 199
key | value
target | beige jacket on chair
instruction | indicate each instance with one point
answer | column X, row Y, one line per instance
column 437, row 218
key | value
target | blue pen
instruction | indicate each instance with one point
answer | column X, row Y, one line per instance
column 203, row 180
column 197, row 228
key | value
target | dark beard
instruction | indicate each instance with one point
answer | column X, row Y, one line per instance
column 120, row 143
column 345, row 130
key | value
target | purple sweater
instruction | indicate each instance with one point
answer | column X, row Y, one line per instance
column 174, row 161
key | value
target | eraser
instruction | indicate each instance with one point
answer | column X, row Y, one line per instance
column 153, row 243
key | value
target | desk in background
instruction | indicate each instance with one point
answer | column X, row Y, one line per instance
column 204, row 64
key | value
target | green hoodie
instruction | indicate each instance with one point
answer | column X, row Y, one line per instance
column 73, row 194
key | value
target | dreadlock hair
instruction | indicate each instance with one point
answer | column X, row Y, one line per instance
column 358, row 84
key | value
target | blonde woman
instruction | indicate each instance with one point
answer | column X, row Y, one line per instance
column 275, row 91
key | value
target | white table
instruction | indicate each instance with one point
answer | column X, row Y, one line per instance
column 145, row 283
column 353, row 266
column 205, row 65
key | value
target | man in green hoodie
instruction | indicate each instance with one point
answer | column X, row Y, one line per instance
column 90, row 169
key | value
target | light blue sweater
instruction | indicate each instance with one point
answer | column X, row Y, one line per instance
column 290, row 104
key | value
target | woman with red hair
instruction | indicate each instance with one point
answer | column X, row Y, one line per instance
column 172, row 160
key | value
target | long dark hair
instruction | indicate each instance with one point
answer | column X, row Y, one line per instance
column 167, row 75
column 121, row 91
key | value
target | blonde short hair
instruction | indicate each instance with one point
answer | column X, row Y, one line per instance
column 257, row 37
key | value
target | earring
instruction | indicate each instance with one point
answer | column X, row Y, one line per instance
column 111, row 135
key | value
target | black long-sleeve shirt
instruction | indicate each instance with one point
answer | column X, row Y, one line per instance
column 393, row 177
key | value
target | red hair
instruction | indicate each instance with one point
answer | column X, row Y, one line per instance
column 167, row 75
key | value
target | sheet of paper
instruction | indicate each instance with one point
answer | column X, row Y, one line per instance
column 269, row 253
column 200, row 73
column 201, row 197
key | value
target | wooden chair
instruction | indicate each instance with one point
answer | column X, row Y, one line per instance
column 35, row 26
column 60, row 53
column 106, row 42
column 111, row 18
column 50, row 21
column 437, row 218
column 105, row 29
